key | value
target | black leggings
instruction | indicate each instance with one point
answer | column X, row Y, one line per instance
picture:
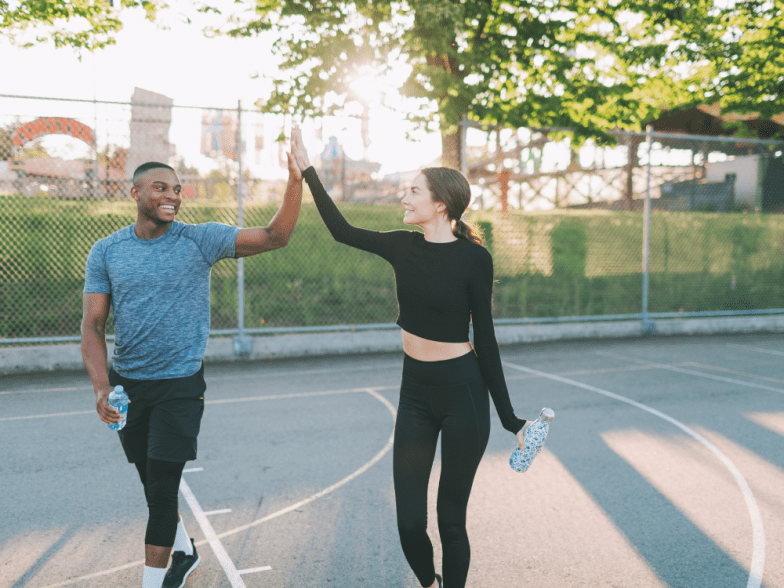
column 449, row 397
column 161, row 481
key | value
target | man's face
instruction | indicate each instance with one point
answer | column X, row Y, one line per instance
column 157, row 195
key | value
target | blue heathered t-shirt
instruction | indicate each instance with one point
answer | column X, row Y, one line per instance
column 160, row 291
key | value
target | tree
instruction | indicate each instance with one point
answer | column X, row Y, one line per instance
column 588, row 65
column 746, row 70
column 80, row 24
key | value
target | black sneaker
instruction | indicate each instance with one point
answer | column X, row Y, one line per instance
column 181, row 567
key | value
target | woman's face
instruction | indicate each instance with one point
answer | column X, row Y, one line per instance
column 419, row 203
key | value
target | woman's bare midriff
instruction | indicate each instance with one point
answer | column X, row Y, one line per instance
column 427, row 350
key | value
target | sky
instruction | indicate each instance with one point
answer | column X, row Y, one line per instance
column 178, row 61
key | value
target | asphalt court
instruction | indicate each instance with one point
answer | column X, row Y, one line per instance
column 664, row 467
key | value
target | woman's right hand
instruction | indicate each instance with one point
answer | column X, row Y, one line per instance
column 298, row 151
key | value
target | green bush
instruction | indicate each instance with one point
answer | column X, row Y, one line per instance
column 486, row 227
column 568, row 243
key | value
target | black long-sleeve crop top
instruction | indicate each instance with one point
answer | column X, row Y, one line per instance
column 440, row 288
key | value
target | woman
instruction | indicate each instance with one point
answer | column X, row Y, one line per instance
column 444, row 280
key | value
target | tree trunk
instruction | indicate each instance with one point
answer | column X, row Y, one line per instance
column 450, row 148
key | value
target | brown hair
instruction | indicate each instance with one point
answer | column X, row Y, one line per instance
column 451, row 188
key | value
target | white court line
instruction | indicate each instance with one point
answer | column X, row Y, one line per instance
column 256, row 376
column 209, row 533
column 758, row 533
column 254, row 570
column 760, row 349
column 221, row 401
column 672, row 368
column 45, row 390
column 211, row 379
column 335, row 486
column 373, row 392
column 706, row 366
column 292, row 395
column 214, row 512
column 44, row 416
column 191, row 470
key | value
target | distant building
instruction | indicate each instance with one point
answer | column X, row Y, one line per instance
column 151, row 116
column 338, row 169
column 756, row 179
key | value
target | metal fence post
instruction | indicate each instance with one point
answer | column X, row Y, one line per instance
column 95, row 144
column 648, row 326
column 242, row 345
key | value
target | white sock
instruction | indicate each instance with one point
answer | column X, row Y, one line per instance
column 181, row 540
column 153, row 577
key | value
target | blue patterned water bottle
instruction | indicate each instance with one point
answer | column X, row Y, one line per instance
column 534, row 438
column 119, row 399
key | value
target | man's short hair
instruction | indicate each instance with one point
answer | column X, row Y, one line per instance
column 145, row 167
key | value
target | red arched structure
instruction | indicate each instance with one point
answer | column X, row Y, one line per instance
column 53, row 126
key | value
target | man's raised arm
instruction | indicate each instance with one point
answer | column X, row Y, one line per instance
column 277, row 233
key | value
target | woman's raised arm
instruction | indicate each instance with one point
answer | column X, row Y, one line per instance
column 380, row 243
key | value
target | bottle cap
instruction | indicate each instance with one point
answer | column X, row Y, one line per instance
column 118, row 388
column 547, row 415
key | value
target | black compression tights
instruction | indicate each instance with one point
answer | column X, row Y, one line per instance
column 448, row 397
column 161, row 481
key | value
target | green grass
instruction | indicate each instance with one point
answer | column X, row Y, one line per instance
column 694, row 258
column 546, row 264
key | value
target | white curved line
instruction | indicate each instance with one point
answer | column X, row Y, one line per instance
column 758, row 533
column 329, row 489
column 316, row 496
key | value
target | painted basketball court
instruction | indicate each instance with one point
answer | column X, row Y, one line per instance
column 664, row 467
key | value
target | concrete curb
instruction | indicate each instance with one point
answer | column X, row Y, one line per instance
column 67, row 357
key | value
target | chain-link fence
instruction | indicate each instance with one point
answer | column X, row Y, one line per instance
column 716, row 244
column 580, row 256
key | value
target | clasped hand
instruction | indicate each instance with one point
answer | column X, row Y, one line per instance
column 298, row 157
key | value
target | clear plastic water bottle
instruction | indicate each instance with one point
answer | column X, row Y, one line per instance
column 119, row 400
column 534, row 438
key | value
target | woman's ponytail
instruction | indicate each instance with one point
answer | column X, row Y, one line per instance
column 467, row 230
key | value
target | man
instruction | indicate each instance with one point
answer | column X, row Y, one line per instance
column 156, row 275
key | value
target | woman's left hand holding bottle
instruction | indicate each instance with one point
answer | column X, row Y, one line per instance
column 521, row 435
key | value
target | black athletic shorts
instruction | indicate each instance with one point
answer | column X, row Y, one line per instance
column 164, row 417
